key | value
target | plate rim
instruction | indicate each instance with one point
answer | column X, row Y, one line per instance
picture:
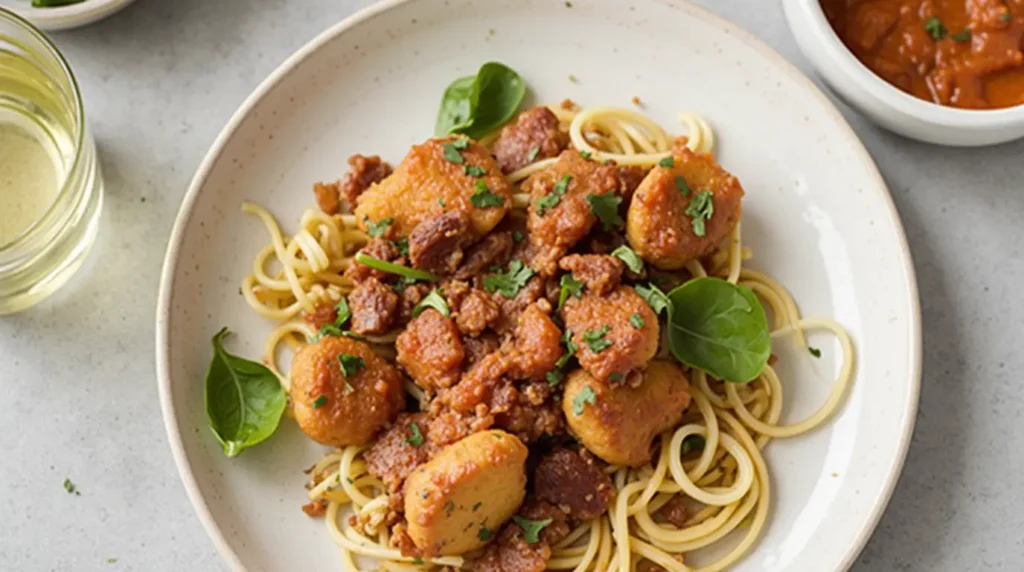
column 72, row 16
column 187, row 208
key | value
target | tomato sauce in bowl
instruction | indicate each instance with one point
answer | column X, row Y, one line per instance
column 959, row 53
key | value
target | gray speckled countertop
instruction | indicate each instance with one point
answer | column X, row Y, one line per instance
column 78, row 396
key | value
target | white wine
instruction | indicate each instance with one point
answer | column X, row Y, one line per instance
column 31, row 173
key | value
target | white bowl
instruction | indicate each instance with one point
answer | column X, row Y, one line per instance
column 886, row 105
column 65, row 17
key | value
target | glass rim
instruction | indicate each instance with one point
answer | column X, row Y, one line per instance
column 79, row 108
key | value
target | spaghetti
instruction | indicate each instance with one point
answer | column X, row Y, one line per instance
column 725, row 484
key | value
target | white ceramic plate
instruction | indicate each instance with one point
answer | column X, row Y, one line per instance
column 817, row 214
column 65, row 17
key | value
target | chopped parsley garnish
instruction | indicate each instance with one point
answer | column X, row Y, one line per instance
column 630, row 258
column 433, row 300
column 654, row 297
column 320, row 401
column 403, row 281
column 700, row 209
column 533, row 154
column 1006, row 17
column 401, row 245
column 375, row 229
column 70, row 487
column 595, row 339
column 616, row 377
column 328, row 330
column 935, row 28
column 517, row 236
column 477, row 505
column 460, row 143
column 962, row 36
column 814, row 351
column 509, row 283
column 449, row 507
column 531, row 528
column 606, row 208
column 550, row 200
column 350, row 364
column 555, row 377
column 417, row 438
column 343, row 314
column 682, row 186
column 440, row 201
column 570, row 349
column 586, row 395
column 586, row 154
column 417, row 560
column 667, row 162
column 692, row 443
column 484, row 534
column 475, row 171
column 636, row 320
column 483, row 198
column 451, row 153
column 570, row 286
column 572, row 77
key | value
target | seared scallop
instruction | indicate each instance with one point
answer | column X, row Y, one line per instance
column 342, row 392
column 613, row 334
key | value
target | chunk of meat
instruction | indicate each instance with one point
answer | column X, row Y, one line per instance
column 392, row 457
column 557, row 226
column 600, row 273
column 631, row 176
column 327, row 197
column 431, row 180
column 528, row 412
column 322, row 315
column 408, row 298
column 684, row 211
column 475, row 484
column 378, row 248
column 512, row 553
column 494, row 250
column 315, row 509
column 473, row 309
column 535, row 135
column 613, row 334
column 436, row 243
column 338, row 409
column 374, row 307
column 477, row 347
column 618, row 422
column 364, row 172
column 573, row 484
column 430, row 349
column 537, row 343
column 512, row 308
column 674, row 512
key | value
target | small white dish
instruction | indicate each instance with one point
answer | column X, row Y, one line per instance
column 817, row 214
column 65, row 17
column 886, row 105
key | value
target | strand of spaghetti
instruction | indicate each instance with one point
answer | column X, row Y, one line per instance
column 701, row 138
column 763, row 500
column 657, row 556
column 604, row 553
column 823, row 412
column 330, row 232
column 645, row 141
column 652, row 482
column 792, row 314
column 561, row 559
column 620, row 523
column 521, row 174
column 279, row 248
column 520, row 200
column 274, row 339
column 729, row 496
column 366, row 547
column 261, row 309
column 574, row 535
column 778, row 307
column 735, row 254
column 348, row 482
column 695, row 268
column 707, row 456
column 663, row 535
column 606, row 113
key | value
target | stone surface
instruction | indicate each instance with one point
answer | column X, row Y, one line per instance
column 78, row 397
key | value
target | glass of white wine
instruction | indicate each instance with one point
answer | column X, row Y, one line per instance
column 50, row 183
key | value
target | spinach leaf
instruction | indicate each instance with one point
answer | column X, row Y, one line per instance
column 476, row 105
column 720, row 328
column 244, row 399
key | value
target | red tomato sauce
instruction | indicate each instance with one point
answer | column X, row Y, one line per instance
column 959, row 53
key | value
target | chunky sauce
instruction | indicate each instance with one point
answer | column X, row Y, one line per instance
column 960, row 53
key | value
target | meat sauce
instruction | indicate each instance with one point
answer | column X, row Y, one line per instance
column 957, row 53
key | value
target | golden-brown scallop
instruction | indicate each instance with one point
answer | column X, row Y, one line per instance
column 458, row 500
column 338, row 409
column 617, row 422
column 681, row 212
column 434, row 178
column 614, row 333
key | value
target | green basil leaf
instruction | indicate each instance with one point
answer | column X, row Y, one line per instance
column 244, row 399
column 720, row 328
column 476, row 105
column 456, row 107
